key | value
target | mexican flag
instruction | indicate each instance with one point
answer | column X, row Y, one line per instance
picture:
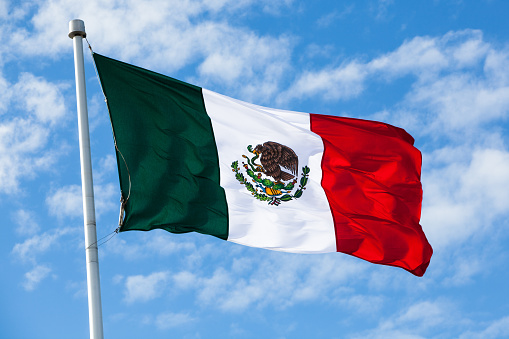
column 191, row 160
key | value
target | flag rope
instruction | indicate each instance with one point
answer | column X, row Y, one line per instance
column 110, row 235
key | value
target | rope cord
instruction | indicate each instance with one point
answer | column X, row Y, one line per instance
column 110, row 235
column 123, row 201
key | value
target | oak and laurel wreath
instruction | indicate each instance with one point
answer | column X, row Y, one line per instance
column 267, row 183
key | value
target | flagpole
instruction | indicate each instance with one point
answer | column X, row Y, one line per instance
column 77, row 33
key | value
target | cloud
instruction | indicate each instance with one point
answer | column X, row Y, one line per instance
column 194, row 31
column 169, row 320
column 4, row 9
column 30, row 109
column 35, row 276
column 30, row 249
column 230, row 60
column 496, row 62
column 464, row 269
column 457, row 196
column 271, row 280
column 165, row 245
column 280, row 281
column 422, row 316
column 464, row 206
column 78, row 288
column 496, row 329
column 26, row 222
column 435, row 319
column 419, row 320
column 106, row 167
column 141, row 288
column 185, row 280
column 41, row 98
column 159, row 243
column 329, row 18
column 382, row 9
column 421, row 55
column 460, row 102
column 20, row 143
column 344, row 82
column 363, row 304
column 426, row 58
column 67, row 201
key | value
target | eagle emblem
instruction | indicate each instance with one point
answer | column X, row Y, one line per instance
column 274, row 178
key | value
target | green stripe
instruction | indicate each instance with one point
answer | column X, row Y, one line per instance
column 166, row 138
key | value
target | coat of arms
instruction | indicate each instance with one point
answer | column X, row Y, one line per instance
column 275, row 177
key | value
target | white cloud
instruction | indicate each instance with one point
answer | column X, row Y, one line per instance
column 344, row 82
column 117, row 279
column 465, row 204
column 363, row 304
column 165, row 245
column 20, row 143
column 232, row 56
column 417, row 321
column 487, row 179
column 435, row 319
column 23, row 135
column 40, row 97
column 67, row 201
column 329, row 18
column 4, row 9
column 26, row 222
column 426, row 56
column 5, row 93
column 382, row 9
column 457, row 94
column 145, row 288
column 421, row 54
column 107, row 198
column 423, row 315
column 78, row 288
column 185, row 280
column 35, row 276
column 464, row 269
column 159, row 243
column 456, row 197
column 278, row 280
column 460, row 101
column 30, row 249
column 106, row 167
column 166, row 36
column 497, row 61
column 215, row 286
column 169, row 320
column 446, row 83
column 497, row 329
column 30, row 108
column 471, row 51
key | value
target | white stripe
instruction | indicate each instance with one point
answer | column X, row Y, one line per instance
column 301, row 225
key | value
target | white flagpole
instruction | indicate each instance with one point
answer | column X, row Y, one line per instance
column 77, row 33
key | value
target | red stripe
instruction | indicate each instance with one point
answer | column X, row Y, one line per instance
column 371, row 176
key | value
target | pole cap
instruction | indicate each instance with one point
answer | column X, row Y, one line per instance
column 77, row 28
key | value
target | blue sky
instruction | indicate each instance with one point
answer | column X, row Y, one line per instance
column 438, row 68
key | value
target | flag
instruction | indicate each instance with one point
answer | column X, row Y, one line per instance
column 191, row 160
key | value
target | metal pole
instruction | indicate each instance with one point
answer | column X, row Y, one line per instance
column 77, row 33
